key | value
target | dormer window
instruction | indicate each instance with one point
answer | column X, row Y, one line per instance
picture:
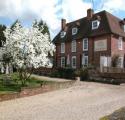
column 95, row 24
column 74, row 31
column 62, row 34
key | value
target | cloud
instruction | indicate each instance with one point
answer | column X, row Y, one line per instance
column 112, row 5
column 51, row 11
column 10, row 8
column 74, row 9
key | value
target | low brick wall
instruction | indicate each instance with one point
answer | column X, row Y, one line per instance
column 44, row 71
column 9, row 96
column 114, row 75
column 38, row 90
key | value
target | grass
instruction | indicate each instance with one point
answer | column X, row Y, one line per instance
column 104, row 118
column 15, row 85
column 117, row 115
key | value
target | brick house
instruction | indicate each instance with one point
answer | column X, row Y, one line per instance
column 92, row 40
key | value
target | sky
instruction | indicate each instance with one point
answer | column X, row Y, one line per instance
column 52, row 11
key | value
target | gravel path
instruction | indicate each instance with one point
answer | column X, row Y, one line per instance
column 83, row 101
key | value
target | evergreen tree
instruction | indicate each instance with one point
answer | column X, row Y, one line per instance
column 12, row 27
column 45, row 27
column 2, row 37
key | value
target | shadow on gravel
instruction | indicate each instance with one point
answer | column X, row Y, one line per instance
column 105, row 81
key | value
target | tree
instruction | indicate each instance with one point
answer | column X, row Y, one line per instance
column 2, row 37
column 14, row 25
column 29, row 48
column 45, row 27
column 42, row 26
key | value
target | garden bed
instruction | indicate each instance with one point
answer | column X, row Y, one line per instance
column 33, row 87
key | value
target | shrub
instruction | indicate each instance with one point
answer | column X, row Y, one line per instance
column 114, row 61
column 70, row 73
column 84, row 74
column 77, row 73
column 67, row 73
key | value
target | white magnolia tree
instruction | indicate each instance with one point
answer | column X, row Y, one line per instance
column 29, row 49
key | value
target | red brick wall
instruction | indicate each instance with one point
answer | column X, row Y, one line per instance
column 58, row 55
column 94, row 57
column 114, row 46
column 68, row 51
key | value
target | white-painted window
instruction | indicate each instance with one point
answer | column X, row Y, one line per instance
column 120, row 62
column 74, row 31
column 62, row 34
column 95, row 24
column 62, row 61
column 124, row 28
column 85, row 60
column 73, row 61
column 120, row 43
column 62, row 47
column 85, row 44
column 73, row 46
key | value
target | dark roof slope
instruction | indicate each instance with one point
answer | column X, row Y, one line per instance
column 114, row 24
column 108, row 24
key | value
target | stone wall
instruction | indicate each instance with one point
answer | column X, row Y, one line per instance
column 38, row 90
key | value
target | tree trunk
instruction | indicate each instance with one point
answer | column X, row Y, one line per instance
column 2, row 69
column 7, row 68
column 24, row 75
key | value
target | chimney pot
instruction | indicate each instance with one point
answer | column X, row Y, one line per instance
column 90, row 13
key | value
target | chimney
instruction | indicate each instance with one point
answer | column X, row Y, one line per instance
column 63, row 23
column 90, row 13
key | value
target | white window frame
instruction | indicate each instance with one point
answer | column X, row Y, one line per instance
column 73, row 66
column 73, row 46
column 124, row 28
column 120, row 43
column 62, row 47
column 93, row 26
column 85, row 48
column 62, row 61
column 74, row 30
column 62, row 34
column 83, row 60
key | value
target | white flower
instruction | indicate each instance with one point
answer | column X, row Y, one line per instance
column 28, row 47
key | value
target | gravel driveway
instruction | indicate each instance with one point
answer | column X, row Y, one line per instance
column 83, row 101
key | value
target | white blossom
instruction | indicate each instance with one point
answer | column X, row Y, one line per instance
column 28, row 46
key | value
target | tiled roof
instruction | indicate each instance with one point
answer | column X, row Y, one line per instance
column 108, row 24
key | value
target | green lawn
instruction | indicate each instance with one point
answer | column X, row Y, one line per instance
column 15, row 85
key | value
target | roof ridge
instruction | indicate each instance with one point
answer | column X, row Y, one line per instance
column 112, row 15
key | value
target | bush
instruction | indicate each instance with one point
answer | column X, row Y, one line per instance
column 77, row 73
column 67, row 73
column 84, row 74
column 70, row 73
column 115, row 60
